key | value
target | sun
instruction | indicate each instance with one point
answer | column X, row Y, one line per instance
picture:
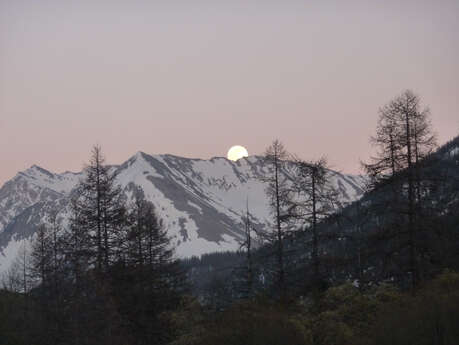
column 237, row 152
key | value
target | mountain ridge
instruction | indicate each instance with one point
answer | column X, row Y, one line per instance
column 201, row 201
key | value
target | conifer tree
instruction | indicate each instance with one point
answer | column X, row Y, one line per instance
column 278, row 191
column 98, row 211
column 146, row 240
column 315, row 199
column 246, row 273
column 149, row 280
column 42, row 256
column 403, row 139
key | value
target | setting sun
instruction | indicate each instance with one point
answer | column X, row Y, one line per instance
column 237, row 152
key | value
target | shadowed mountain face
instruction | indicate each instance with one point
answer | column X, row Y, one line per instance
column 200, row 201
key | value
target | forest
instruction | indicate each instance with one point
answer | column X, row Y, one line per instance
column 381, row 270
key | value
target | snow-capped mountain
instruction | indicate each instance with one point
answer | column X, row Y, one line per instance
column 200, row 201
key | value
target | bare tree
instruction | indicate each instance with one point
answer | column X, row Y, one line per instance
column 278, row 191
column 247, row 245
column 315, row 199
column 403, row 138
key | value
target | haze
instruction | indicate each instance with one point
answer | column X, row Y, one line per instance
column 195, row 79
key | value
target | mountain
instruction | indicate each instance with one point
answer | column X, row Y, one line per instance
column 363, row 244
column 377, row 236
column 200, row 201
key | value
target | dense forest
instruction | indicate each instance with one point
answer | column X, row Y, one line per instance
column 382, row 270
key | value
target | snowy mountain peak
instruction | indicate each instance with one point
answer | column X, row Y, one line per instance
column 139, row 155
column 36, row 172
column 42, row 178
column 200, row 201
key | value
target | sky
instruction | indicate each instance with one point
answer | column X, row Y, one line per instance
column 193, row 78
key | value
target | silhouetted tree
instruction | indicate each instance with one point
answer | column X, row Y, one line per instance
column 315, row 200
column 98, row 210
column 403, row 138
column 278, row 191
column 246, row 273
column 42, row 256
column 147, row 280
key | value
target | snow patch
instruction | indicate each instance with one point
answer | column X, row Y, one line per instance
column 192, row 204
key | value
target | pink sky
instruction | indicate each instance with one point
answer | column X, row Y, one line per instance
column 193, row 80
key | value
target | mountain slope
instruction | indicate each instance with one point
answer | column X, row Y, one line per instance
column 200, row 201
